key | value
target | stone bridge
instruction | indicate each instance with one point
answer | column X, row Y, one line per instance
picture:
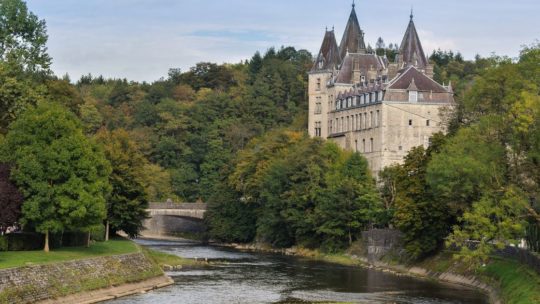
column 174, row 219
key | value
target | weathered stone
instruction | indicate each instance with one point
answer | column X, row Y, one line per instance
column 32, row 284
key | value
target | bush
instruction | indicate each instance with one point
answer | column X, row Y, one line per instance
column 98, row 234
column 25, row 241
column 3, row 243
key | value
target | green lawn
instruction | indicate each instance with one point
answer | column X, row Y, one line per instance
column 26, row 258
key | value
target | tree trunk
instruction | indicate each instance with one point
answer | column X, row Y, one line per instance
column 350, row 238
column 46, row 249
column 88, row 240
column 107, row 231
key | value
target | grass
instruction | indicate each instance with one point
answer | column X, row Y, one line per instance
column 518, row 283
column 26, row 258
column 165, row 259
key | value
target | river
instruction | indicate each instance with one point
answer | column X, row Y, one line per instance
column 245, row 277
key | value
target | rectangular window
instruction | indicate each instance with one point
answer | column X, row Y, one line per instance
column 337, row 125
column 318, row 84
column 318, row 106
column 410, row 122
column 363, row 145
column 371, row 145
column 378, row 119
column 372, row 118
column 318, row 129
column 360, row 122
column 413, row 96
column 427, row 123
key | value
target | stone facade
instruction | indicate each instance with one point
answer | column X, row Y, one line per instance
column 38, row 283
column 366, row 104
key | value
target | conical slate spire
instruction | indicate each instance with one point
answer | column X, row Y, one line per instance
column 353, row 37
column 328, row 57
column 411, row 51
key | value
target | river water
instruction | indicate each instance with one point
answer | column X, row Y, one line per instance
column 242, row 277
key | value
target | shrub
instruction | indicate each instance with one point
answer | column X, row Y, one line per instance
column 3, row 243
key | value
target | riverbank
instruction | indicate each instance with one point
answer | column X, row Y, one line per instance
column 503, row 281
column 104, row 271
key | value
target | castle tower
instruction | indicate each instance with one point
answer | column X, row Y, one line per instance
column 411, row 52
column 353, row 37
column 328, row 61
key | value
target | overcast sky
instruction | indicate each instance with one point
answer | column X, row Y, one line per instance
column 142, row 39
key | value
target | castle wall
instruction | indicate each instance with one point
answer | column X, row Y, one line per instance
column 408, row 125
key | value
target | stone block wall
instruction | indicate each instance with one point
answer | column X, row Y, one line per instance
column 379, row 242
column 32, row 284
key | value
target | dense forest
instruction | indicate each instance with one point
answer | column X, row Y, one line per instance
column 234, row 135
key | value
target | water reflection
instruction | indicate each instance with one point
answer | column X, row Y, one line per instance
column 240, row 277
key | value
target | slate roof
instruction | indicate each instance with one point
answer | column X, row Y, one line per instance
column 364, row 61
column 411, row 48
column 353, row 37
column 328, row 57
column 413, row 78
column 361, row 89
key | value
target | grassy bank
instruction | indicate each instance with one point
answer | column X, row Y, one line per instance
column 516, row 283
column 27, row 258
column 164, row 259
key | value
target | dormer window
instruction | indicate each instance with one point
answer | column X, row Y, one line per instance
column 413, row 96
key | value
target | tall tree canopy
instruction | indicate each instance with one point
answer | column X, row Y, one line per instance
column 62, row 174
column 127, row 204
column 23, row 37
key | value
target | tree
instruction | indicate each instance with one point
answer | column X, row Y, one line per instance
column 494, row 221
column 127, row 204
column 11, row 200
column 23, row 37
column 348, row 205
column 16, row 94
column 61, row 173
column 423, row 220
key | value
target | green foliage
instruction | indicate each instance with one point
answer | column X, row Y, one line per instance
column 469, row 163
column 494, row 221
column 23, row 37
column 424, row 220
column 299, row 191
column 127, row 204
column 61, row 173
column 487, row 173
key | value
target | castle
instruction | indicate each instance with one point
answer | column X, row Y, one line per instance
column 366, row 104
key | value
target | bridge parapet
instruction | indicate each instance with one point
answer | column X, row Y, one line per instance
column 179, row 206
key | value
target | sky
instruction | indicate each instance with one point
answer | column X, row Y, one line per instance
column 142, row 39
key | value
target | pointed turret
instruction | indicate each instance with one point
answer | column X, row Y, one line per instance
column 411, row 52
column 353, row 37
column 328, row 58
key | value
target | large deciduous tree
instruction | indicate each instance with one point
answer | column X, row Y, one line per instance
column 62, row 174
column 127, row 204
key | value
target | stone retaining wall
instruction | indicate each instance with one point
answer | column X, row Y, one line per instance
column 32, row 284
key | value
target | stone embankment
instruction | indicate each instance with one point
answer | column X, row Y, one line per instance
column 81, row 281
